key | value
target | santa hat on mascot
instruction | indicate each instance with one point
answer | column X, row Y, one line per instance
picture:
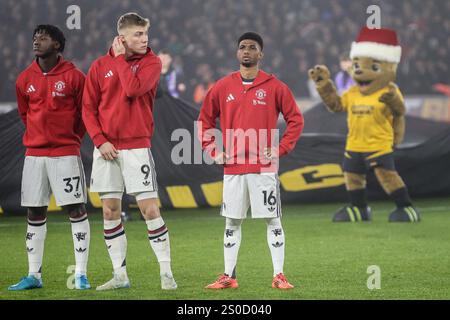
column 380, row 44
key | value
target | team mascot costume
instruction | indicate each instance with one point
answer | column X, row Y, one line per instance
column 376, row 123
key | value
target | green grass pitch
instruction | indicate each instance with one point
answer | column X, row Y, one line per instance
column 324, row 260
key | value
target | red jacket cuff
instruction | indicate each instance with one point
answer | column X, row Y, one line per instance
column 99, row 140
column 282, row 151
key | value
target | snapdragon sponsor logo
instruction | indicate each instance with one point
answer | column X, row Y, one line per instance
column 241, row 147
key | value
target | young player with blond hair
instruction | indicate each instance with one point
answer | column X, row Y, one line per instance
column 118, row 112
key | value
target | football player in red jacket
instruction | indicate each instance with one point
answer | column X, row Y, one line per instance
column 118, row 112
column 49, row 94
column 248, row 103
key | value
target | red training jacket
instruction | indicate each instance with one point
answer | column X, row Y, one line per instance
column 50, row 107
column 249, row 107
column 118, row 99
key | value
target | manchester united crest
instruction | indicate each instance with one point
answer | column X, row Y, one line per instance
column 134, row 68
column 59, row 86
column 260, row 94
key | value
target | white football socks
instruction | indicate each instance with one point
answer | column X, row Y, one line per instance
column 35, row 238
column 276, row 242
column 116, row 242
column 81, row 234
column 158, row 236
column 231, row 244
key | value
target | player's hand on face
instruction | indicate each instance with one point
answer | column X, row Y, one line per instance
column 221, row 158
column 108, row 151
column 118, row 46
column 319, row 74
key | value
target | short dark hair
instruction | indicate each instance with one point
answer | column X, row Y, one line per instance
column 252, row 36
column 131, row 19
column 54, row 32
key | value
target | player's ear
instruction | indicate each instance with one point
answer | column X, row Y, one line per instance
column 57, row 45
column 261, row 55
column 123, row 40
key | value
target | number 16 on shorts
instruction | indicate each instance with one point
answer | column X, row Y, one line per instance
column 264, row 195
column 258, row 191
column 270, row 201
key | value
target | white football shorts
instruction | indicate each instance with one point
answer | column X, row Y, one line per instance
column 260, row 191
column 62, row 176
column 133, row 170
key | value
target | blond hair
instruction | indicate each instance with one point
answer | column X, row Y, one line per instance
column 131, row 19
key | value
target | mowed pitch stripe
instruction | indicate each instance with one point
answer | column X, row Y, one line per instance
column 4, row 225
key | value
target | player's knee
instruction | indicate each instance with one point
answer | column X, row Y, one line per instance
column 111, row 212
column 273, row 223
column 76, row 210
column 233, row 223
column 37, row 213
column 151, row 211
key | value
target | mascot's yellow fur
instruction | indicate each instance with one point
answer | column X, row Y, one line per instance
column 376, row 123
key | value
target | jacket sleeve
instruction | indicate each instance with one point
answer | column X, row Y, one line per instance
column 22, row 102
column 294, row 120
column 136, row 84
column 90, row 102
column 209, row 112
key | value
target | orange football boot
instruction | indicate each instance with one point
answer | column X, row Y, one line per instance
column 280, row 282
column 224, row 281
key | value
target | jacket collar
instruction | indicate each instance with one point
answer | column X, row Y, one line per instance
column 134, row 56
column 60, row 67
column 261, row 77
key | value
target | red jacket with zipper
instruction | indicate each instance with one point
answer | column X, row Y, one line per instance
column 118, row 99
column 50, row 107
column 255, row 107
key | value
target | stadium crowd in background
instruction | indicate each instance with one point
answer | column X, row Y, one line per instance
column 171, row 77
column 199, row 34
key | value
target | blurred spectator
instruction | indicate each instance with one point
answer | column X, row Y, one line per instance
column 442, row 88
column 343, row 80
column 298, row 35
column 170, row 80
column 205, row 75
